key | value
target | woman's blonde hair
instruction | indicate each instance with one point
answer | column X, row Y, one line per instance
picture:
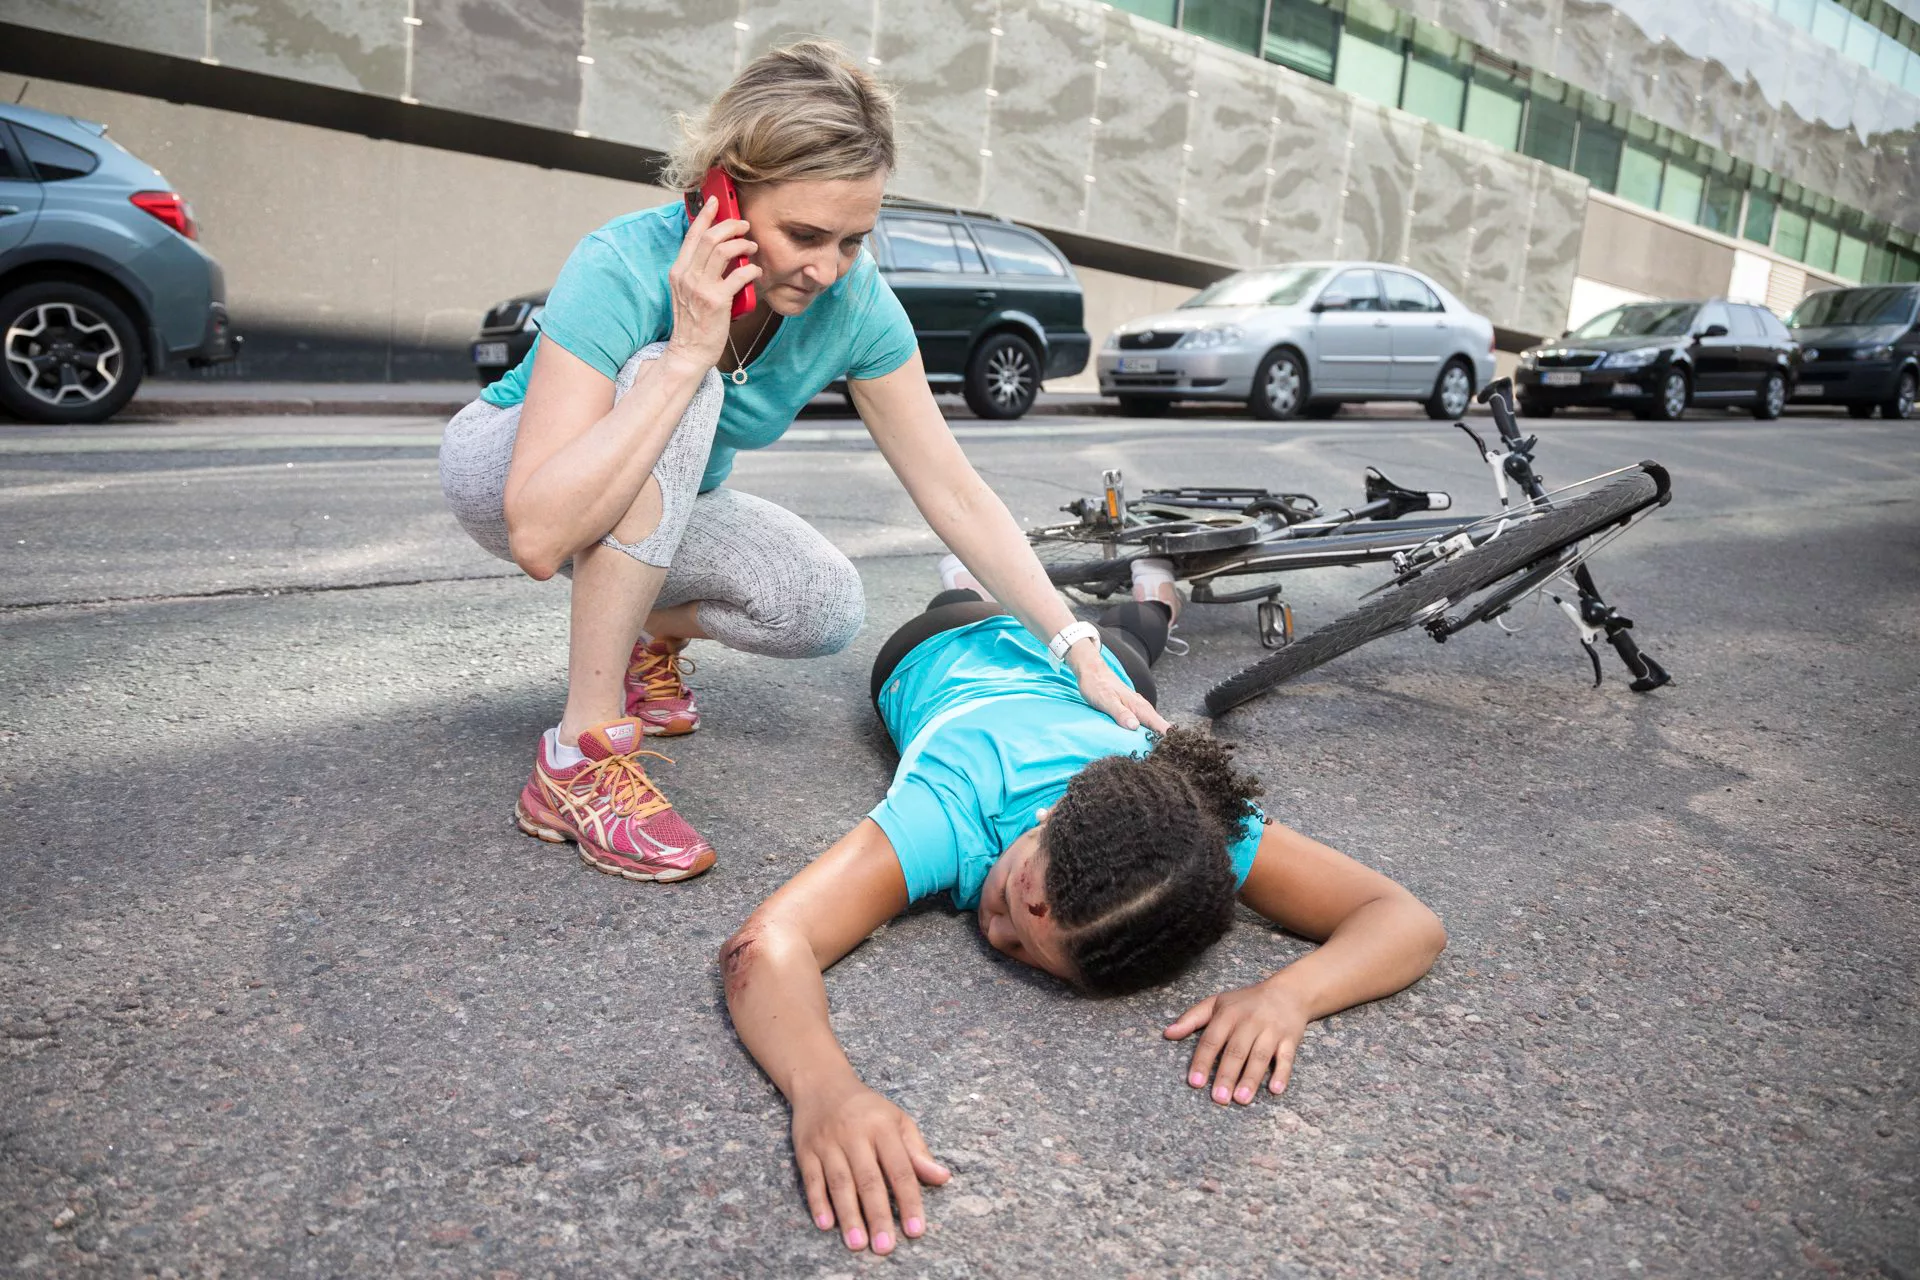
column 802, row 113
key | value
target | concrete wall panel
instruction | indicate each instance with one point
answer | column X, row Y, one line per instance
column 1558, row 209
column 1046, row 83
column 1443, row 210
column 1225, row 183
column 1383, row 150
column 772, row 23
column 510, row 59
column 649, row 62
column 1503, row 194
column 1527, row 31
column 939, row 55
column 342, row 43
column 1632, row 251
column 176, row 27
column 1309, row 162
column 1143, row 110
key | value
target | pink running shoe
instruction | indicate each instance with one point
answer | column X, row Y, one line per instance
column 608, row 806
column 657, row 692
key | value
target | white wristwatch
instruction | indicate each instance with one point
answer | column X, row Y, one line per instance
column 1070, row 635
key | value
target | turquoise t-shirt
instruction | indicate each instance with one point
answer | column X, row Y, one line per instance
column 991, row 730
column 611, row 300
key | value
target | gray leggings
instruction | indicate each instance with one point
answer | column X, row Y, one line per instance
column 767, row 581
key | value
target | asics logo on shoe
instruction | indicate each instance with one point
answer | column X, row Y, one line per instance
column 621, row 737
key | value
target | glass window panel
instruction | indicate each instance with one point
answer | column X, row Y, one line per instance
column 1494, row 109
column 1158, row 10
column 1720, row 205
column 1404, row 293
column 1550, row 128
column 1798, row 12
column 1235, row 23
column 1681, row 191
column 1890, row 59
column 1912, row 78
column 1015, row 253
column 1597, row 155
column 1744, row 323
column 1303, row 35
column 1829, row 23
column 1790, row 234
column 1639, row 176
column 920, row 245
column 1879, row 264
column 1863, row 40
column 1906, row 267
column 1360, row 288
column 1368, row 66
column 1850, row 260
column 1760, row 207
column 1434, row 89
column 55, row 160
column 1711, row 314
column 1823, row 241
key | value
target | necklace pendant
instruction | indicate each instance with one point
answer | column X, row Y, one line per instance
column 739, row 377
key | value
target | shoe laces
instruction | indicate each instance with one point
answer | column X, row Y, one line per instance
column 663, row 675
column 624, row 782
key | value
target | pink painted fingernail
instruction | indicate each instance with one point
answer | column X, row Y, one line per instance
column 1245, row 1094
column 856, row 1239
column 1220, row 1094
column 1197, row 1079
column 824, row 1221
column 882, row 1242
column 915, row 1226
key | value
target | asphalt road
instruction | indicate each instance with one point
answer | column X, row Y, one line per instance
column 282, row 992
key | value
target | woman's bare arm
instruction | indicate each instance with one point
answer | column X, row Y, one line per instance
column 907, row 425
column 856, row 1150
column 1375, row 938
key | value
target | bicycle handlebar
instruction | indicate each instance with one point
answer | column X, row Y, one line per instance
column 1498, row 396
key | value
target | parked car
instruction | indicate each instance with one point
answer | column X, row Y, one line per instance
column 1861, row 348
column 996, row 307
column 101, row 278
column 1305, row 338
column 1656, row 358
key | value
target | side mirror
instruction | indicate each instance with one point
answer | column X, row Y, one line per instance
column 1714, row 331
column 1333, row 302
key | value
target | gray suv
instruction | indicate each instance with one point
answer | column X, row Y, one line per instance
column 101, row 280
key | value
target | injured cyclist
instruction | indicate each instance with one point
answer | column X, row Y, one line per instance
column 1108, row 857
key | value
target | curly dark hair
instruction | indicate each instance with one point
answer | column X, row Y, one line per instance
column 1137, row 869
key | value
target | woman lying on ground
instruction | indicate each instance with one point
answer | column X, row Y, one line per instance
column 604, row 453
column 1084, row 853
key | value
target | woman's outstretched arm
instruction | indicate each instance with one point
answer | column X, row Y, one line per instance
column 904, row 420
column 1375, row 938
column 858, row 1153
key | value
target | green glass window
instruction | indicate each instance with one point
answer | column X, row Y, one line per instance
column 1760, row 207
column 1823, row 242
column 1435, row 89
column 1680, row 192
column 1596, row 155
column 1720, row 204
column 1370, row 65
column 1303, row 35
column 1790, row 234
column 1550, row 130
column 1906, row 268
column 1862, row 41
column 1494, row 109
column 1850, row 260
column 1912, row 77
column 1889, row 59
column 1158, row 10
column 1234, row 23
column 1640, row 175
column 1829, row 23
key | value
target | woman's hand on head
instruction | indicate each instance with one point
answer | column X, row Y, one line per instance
column 1104, row 691
column 703, row 288
column 859, row 1156
column 1246, row 1033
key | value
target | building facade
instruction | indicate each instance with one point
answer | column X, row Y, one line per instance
column 374, row 173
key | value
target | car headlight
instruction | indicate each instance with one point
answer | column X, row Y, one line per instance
column 1112, row 343
column 1225, row 335
column 532, row 321
column 1874, row 353
column 1639, row 358
column 1529, row 359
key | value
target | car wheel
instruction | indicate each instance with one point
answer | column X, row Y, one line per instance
column 1860, row 408
column 1534, row 409
column 1773, row 397
column 70, row 354
column 1671, row 402
column 1321, row 409
column 1279, row 387
column 1452, row 391
column 1904, row 397
column 1141, row 406
column 1003, row 377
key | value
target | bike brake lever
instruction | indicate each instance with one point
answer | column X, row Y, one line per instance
column 1474, row 436
column 1593, row 656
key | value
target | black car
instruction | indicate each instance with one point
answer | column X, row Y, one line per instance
column 1861, row 348
column 1657, row 358
column 996, row 307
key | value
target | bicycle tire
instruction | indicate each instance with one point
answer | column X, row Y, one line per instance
column 1475, row 570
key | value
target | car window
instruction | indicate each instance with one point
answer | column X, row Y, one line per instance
column 921, row 244
column 54, row 160
column 1771, row 325
column 1015, row 253
column 1639, row 320
column 1711, row 314
column 1745, row 323
column 1404, row 293
column 1882, row 305
column 1361, row 289
column 1280, row 287
column 8, row 168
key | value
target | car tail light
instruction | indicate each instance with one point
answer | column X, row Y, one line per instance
column 1490, row 343
column 171, row 208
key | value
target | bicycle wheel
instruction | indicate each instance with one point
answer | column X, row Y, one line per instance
column 1513, row 552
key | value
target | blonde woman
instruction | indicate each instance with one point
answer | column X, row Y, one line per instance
column 604, row 454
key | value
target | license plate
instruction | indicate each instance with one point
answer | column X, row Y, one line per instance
column 1139, row 364
column 1810, row 389
column 489, row 353
column 1560, row 378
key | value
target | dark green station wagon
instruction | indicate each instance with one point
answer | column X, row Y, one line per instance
column 995, row 306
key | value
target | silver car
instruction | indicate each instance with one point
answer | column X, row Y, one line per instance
column 1303, row 339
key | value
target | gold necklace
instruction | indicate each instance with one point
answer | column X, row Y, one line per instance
column 739, row 374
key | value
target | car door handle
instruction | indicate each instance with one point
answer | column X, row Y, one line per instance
column 984, row 296
column 6, row 209
column 1379, row 324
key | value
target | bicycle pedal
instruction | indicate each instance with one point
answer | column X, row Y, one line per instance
column 1276, row 623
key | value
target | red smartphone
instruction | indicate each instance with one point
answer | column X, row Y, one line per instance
column 718, row 186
